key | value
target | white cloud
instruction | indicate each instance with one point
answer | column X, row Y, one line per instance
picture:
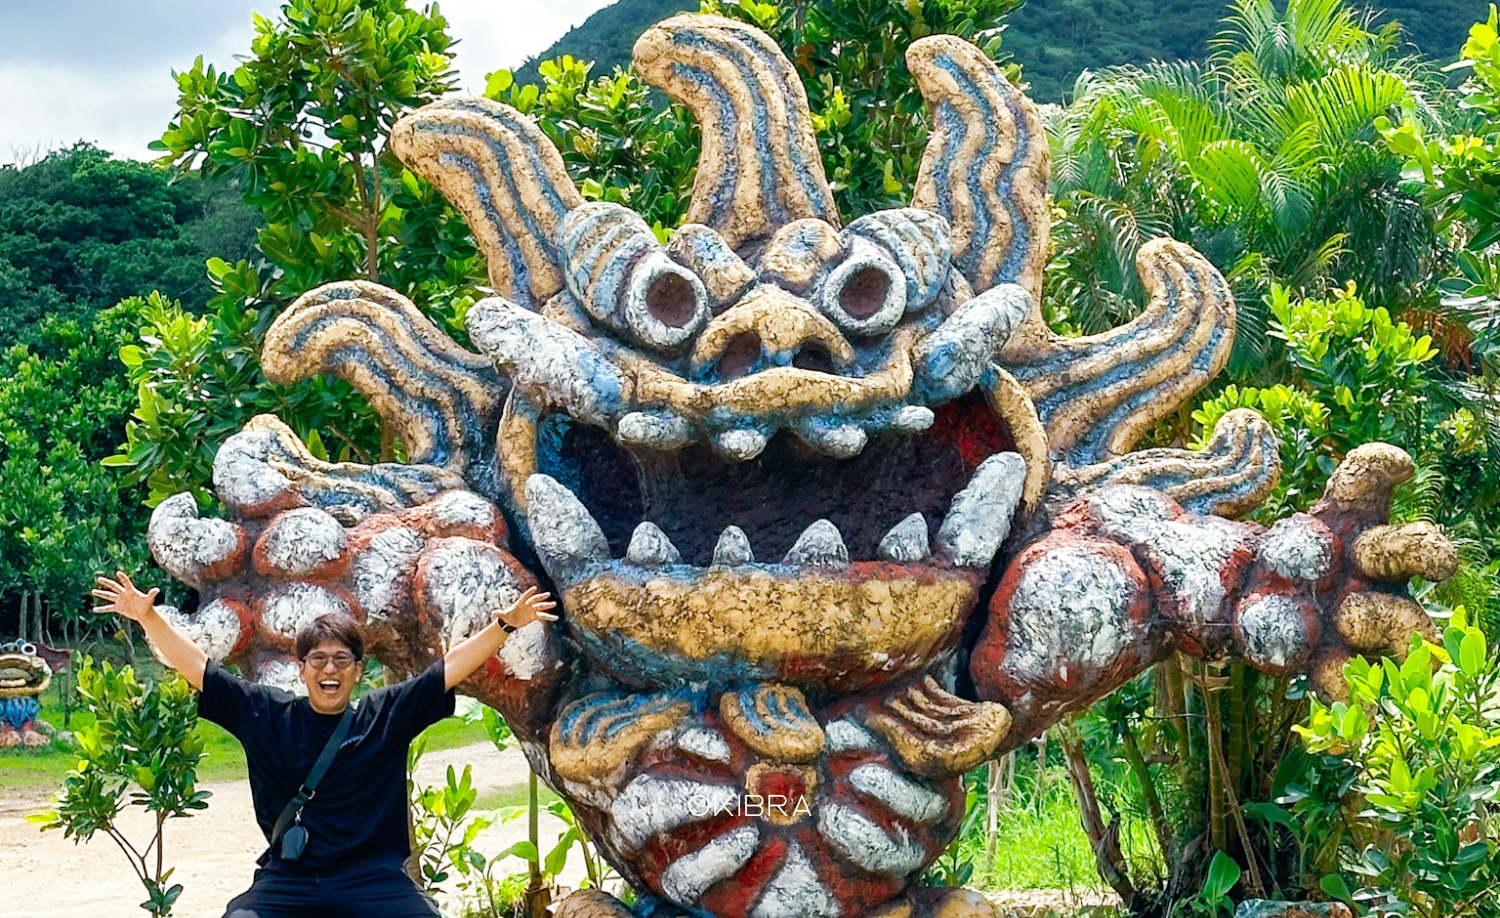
column 110, row 81
column 495, row 35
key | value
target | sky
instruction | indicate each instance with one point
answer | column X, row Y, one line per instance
column 100, row 70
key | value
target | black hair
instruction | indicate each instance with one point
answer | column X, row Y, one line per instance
column 335, row 626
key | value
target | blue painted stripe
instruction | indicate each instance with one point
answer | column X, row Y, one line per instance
column 817, row 193
column 722, row 196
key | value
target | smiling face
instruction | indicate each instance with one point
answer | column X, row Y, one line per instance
column 330, row 671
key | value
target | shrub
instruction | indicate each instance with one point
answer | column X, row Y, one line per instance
column 144, row 737
column 1422, row 739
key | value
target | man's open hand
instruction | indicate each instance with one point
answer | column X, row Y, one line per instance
column 121, row 597
column 533, row 605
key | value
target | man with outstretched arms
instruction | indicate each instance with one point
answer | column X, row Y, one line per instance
column 339, row 849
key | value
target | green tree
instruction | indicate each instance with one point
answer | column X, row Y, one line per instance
column 63, row 405
column 80, row 231
column 1457, row 172
column 142, row 750
column 302, row 127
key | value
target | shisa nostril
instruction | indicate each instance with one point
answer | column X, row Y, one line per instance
column 814, row 357
column 740, row 355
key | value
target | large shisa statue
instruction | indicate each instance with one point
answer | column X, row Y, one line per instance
column 833, row 514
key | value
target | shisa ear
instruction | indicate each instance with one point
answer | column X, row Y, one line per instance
column 986, row 165
column 497, row 167
column 760, row 168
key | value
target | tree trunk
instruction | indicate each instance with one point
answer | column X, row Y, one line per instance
column 1104, row 837
column 1154, row 807
column 1041, row 772
column 538, row 894
column 994, row 794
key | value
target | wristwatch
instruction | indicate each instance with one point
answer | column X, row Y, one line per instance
column 505, row 626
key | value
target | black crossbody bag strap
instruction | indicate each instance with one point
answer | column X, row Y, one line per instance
column 310, row 786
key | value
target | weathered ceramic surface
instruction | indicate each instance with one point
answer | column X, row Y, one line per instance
column 1266, row 908
column 834, row 516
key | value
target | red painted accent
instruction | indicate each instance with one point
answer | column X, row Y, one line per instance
column 973, row 429
column 733, row 897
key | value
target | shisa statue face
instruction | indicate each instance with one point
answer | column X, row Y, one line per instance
column 834, row 516
column 727, row 447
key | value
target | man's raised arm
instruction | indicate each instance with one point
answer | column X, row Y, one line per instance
column 469, row 655
column 122, row 598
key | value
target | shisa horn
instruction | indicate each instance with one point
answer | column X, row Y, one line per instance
column 498, row 168
column 1098, row 395
column 1230, row 476
column 760, row 168
column 442, row 400
column 985, row 168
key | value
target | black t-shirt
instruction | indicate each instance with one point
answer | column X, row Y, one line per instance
column 359, row 808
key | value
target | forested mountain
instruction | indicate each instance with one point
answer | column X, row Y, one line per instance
column 607, row 36
column 80, row 231
column 1052, row 40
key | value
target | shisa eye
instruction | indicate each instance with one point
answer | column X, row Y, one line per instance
column 917, row 242
column 625, row 279
column 665, row 304
column 866, row 295
column 27, row 648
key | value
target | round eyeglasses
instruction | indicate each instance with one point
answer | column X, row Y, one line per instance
column 341, row 660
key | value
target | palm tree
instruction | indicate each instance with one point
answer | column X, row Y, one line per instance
column 1266, row 158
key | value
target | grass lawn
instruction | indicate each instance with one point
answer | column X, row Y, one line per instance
column 1040, row 843
column 223, row 758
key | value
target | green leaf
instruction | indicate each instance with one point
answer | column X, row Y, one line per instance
column 1334, row 887
column 498, row 82
column 1472, row 653
column 1223, row 873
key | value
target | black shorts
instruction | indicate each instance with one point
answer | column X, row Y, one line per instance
column 379, row 889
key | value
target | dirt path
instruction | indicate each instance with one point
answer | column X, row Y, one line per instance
column 215, row 851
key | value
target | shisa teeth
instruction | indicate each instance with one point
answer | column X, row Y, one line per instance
column 912, row 419
column 906, row 542
column 820, row 545
column 568, row 539
column 979, row 518
column 650, row 547
column 733, row 548
column 839, row 440
column 566, row 536
column 740, row 445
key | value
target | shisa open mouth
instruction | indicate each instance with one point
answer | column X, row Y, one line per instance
column 802, row 558
column 22, row 672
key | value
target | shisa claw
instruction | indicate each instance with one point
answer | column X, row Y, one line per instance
column 1372, row 617
column 1395, row 554
column 937, row 733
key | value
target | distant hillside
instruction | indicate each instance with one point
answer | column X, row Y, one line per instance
column 1055, row 40
column 1052, row 40
column 607, row 36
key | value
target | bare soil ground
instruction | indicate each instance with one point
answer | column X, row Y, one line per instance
column 48, row 876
